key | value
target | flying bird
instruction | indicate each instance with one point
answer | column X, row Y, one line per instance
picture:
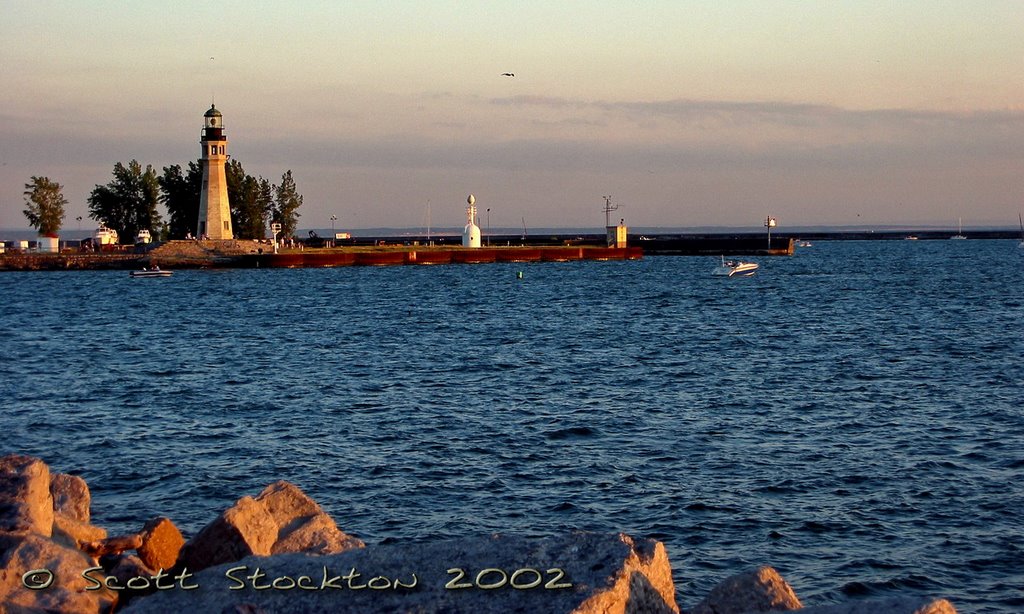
column 508, row 74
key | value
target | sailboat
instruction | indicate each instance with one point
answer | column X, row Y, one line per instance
column 1021, row 221
column 959, row 229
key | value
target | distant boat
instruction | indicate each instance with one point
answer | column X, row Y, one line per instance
column 154, row 272
column 735, row 268
column 1021, row 221
column 959, row 229
column 804, row 244
column 911, row 237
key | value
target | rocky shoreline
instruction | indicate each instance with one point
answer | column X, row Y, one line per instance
column 279, row 552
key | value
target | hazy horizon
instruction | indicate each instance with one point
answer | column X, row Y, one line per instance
column 689, row 115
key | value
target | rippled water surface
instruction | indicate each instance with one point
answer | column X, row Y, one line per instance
column 851, row 415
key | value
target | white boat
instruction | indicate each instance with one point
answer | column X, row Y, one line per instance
column 735, row 268
column 104, row 236
column 959, row 230
column 1021, row 221
column 804, row 244
column 153, row 272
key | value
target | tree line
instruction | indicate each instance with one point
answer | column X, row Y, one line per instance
column 129, row 202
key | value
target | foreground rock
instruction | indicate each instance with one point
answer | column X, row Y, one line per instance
column 41, row 518
column 889, row 605
column 279, row 552
column 584, row 573
column 760, row 590
column 280, row 520
column 764, row 590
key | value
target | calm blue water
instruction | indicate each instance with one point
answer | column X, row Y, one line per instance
column 852, row 415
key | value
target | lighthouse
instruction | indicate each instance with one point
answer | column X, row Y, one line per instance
column 214, row 211
column 471, row 233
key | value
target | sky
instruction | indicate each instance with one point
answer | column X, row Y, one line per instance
column 687, row 113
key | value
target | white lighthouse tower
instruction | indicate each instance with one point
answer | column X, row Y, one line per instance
column 214, row 210
column 471, row 233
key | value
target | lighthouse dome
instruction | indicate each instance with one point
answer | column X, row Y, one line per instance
column 213, row 112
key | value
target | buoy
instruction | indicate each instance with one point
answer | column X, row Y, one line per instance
column 519, row 275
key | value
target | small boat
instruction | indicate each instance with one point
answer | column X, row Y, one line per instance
column 1021, row 221
column 911, row 237
column 804, row 244
column 154, row 272
column 735, row 268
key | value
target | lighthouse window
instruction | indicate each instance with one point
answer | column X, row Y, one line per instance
column 227, row 225
column 222, row 150
column 213, row 150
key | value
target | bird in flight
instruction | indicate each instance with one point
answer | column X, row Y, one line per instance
column 508, row 74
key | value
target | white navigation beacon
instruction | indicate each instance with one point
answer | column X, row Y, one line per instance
column 471, row 233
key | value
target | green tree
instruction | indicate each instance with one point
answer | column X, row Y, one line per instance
column 128, row 203
column 251, row 201
column 44, row 205
column 252, row 207
column 180, row 196
column 287, row 201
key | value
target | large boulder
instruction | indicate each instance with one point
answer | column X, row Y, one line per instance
column 281, row 519
column 579, row 573
column 758, row 590
column 64, row 585
column 71, row 496
column 26, row 505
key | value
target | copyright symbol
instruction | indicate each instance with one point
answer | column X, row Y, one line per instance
column 37, row 579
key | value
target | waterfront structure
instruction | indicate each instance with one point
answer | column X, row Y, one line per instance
column 471, row 233
column 214, row 210
column 615, row 236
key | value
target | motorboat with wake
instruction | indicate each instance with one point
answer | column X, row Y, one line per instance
column 735, row 268
column 153, row 272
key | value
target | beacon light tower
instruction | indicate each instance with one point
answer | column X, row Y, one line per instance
column 471, row 233
column 769, row 223
column 214, row 210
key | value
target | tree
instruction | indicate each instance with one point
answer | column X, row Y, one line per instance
column 128, row 203
column 44, row 205
column 252, row 207
column 287, row 201
column 252, row 200
column 180, row 195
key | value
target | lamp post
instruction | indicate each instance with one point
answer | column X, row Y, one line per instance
column 275, row 228
column 79, row 218
column 334, row 218
column 488, row 227
column 769, row 223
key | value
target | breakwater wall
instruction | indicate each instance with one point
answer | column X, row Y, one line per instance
column 242, row 254
column 414, row 255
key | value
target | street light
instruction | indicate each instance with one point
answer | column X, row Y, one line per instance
column 769, row 223
column 334, row 218
column 488, row 227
